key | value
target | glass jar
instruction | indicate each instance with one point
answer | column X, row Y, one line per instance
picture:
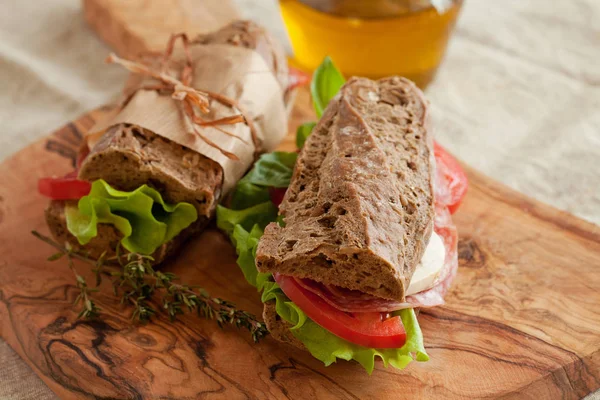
column 372, row 38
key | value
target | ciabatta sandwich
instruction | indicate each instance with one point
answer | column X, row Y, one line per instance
column 150, row 178
column 363, row 235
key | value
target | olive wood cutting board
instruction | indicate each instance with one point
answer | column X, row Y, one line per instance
column 522, row 319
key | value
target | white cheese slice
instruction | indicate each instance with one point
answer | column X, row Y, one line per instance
column 430, row 266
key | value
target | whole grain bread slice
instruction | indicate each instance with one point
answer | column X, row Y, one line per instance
column 359, row 210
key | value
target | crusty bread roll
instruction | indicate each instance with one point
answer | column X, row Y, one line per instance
column 359, row 210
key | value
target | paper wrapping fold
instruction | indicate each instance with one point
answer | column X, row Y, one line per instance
column 238, row 73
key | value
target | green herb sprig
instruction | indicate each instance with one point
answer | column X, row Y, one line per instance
column 141, row 286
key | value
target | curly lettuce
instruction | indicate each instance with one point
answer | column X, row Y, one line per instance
column 144, row 219
column 261, row 214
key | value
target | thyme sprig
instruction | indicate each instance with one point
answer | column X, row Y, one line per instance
column 140, row 286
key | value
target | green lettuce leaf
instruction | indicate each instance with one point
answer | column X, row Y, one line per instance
column 247, row 194
column 325, row 84
column 270, row 170
column 144, row 219
column 303, row 132
column 245, row 245
column 260, row 214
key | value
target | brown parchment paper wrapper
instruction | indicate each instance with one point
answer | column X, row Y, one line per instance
column 236, row 72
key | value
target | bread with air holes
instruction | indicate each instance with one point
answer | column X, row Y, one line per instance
column 359, row 210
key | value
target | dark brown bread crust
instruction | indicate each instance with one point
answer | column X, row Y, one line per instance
column 108, row 237
column 359, row 209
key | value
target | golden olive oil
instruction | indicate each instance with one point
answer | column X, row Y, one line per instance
column 372, row 38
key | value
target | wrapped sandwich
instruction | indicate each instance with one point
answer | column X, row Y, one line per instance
column 192, row 122
column 363, row 235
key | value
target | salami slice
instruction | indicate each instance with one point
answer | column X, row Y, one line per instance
column 349, row 300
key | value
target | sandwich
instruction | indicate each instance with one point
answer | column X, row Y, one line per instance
column 191, row 124
column 363, row 235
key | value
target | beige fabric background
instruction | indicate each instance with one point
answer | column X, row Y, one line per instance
column 518, row 98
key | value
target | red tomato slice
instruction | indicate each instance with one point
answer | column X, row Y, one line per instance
column 65, row 188
column 277, row 195
column 371, row 329
column 297, row 78
column 452, row 184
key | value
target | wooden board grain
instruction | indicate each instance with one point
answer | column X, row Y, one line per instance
column 522, row 320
